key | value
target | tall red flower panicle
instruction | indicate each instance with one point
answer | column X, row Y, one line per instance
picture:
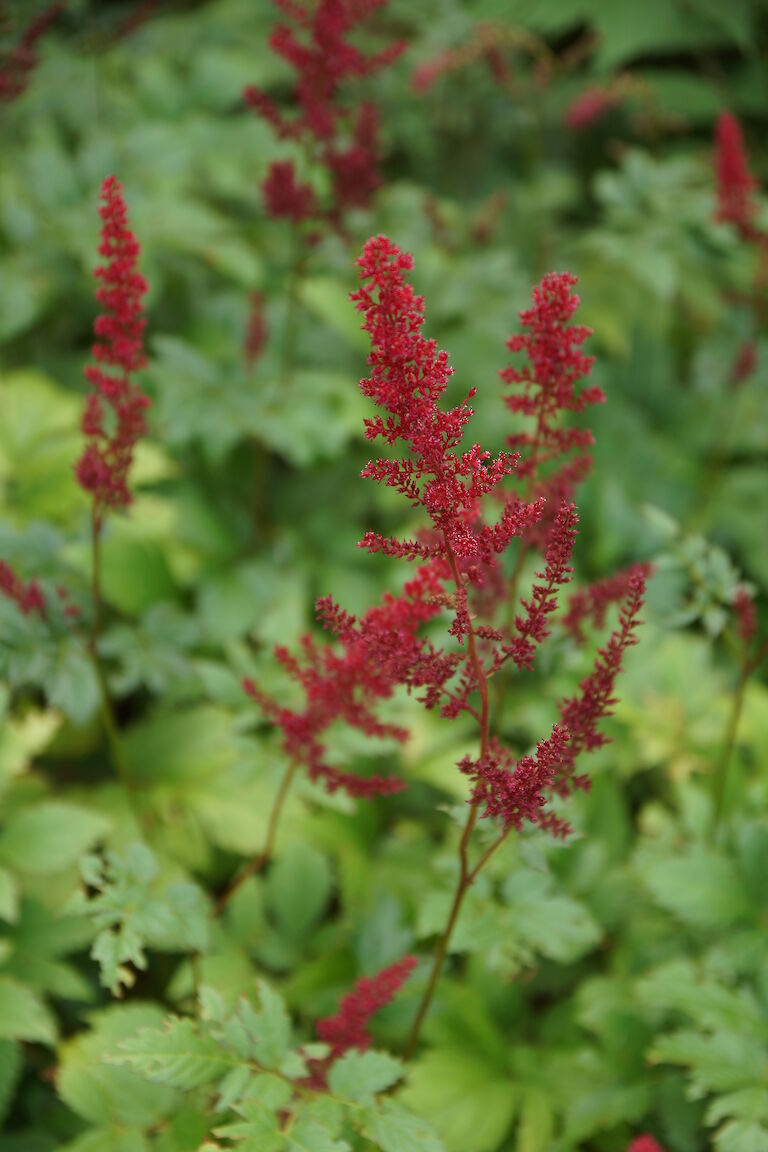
column 17, row 65
column 735, row 184
column 746, row 617
column 590, row 604
column 315, row 43
column 582, row 713
column 349, row 1027
column 408, row 376
column 344, row 683
column 27, row 595
column 114, row 413
column 513, row 790
column 548, row 389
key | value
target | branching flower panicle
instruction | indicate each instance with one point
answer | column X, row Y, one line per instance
column 114, row 417
column 27, row 595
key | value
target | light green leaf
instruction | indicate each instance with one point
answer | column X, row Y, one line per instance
column 178, row 1055
column 394, row 1130
column 358, row 1075
column 9, row 899
column 23, row 1015
column 298, row 889
column 50, row 837
column 470, row 1102
column 701, row 887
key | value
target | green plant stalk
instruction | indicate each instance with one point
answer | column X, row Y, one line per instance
column 258, row 862
column 108, row 719
column 466, row 874
column 290, row 332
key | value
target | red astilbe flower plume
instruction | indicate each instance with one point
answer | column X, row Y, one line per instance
column 589, row 107
column 349, row 1027
column 582, row 713
column 556, row 363
column 27, row 596
column 515, row 791
column 114, row 414
column 532, row 628
column 284, row 197
column 378, row 652
column 735, row 184
column 18, row 65
column 408, row 377
column 590, row 605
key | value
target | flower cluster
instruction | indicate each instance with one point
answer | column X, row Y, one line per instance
column 746, row 617
column 589, row 107
column 345, row 143
column 27, row 596
column 486, row 44
column 735, row 183
column 349, row 1027
column 377, row 653
column 590, row 605
column 22, row 60
column 114, row 413
column 408, row 375
column 556, row 363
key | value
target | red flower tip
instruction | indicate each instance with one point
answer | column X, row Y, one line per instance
column 589, row 107
column 285, row 197
column 746, row 617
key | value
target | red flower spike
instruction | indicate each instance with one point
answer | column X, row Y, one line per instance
column 284, row 197
column 645, row 1143
column 591, row 604
column 256, row 330
column 589, row 106
column 104, row 466
column 27, row 596
column 556, row 363
column 735, row 184
column 582, row 713
column 349, row 1027
column 380, row 651
column 516, row 791
column 408, row 376
column 531, row 629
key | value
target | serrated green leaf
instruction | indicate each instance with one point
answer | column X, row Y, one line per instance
column 179, row 1055
column 359, row 1075
column 50, row 837
column 394, row 1130
column 23, row 1015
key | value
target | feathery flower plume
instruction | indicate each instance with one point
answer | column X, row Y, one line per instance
column 114, row 413
column 590, row 605
column 556, row 363
column 27, row 596
column 735, row 183
column 349, row 1027
column 746, row 617
column 589, row 106
column 315, row 43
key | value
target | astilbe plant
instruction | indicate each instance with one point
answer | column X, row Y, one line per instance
column 315, row 44
column 460, row 549
column 17, row 66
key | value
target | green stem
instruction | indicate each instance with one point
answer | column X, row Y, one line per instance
column 749, row 665
column 255, row 866
column 108, row 718
column 290, row 333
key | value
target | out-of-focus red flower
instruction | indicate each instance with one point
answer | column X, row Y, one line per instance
column 27, row 596
column 589, row 107
column 284, row 196
column 735, row 184
column 645, row 1144
column 17, row 66
column 349, row 1027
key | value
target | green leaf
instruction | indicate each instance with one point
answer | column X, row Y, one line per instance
column 394, row 1130
column 23, row 1015
column 742, row 1136
column 178, row 1055
column 701, row 887
column 359, row 1075
column 537, row 1122
column 103, row 1092
column 307, row 1135
column 50, row 837
column 271, row 1030
column 470, row 1102
column 298, row 889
